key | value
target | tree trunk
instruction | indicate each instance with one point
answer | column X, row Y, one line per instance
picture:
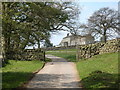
column 38, row 44
column 104, row 36
column 6, row 37
column 1, row 41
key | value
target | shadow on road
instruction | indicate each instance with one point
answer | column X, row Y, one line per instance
column 53, row 80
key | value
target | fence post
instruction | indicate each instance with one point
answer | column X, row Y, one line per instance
column 44, row 55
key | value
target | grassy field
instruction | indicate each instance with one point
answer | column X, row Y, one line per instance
column 69, row 54
column 65, row 50
column 100, row 71
column 16, row 73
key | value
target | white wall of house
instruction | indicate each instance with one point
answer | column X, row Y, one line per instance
column 65, row 40
column 77, row 40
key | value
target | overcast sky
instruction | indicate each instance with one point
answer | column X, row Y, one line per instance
column 88, row 8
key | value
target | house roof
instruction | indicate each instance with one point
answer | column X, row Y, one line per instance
column 77, row 36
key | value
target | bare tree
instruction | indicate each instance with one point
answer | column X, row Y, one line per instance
column 73, row 11
column 103, row 22
column 73, row 23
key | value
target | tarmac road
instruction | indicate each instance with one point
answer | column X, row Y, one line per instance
column 56, row 74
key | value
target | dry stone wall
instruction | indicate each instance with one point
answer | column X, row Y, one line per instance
column 111, row 46
column 87, row 51
column 28, row 54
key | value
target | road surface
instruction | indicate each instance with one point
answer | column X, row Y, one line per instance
column 56, row 74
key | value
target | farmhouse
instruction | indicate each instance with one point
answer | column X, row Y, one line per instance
column 71, row 40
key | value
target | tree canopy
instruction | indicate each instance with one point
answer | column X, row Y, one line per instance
column 103, row 22
column 25, row 24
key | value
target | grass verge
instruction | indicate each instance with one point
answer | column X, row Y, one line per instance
column 100, row 71
column 17, row 73
column 70, row 54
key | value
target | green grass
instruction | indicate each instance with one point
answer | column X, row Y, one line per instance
column 16, row 73
column 100, row 71
column 69, row 54
column 65, row 50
